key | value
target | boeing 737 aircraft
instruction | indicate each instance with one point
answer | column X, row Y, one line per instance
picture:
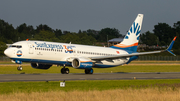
column 42, row 54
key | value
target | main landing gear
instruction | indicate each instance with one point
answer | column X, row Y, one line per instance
column 19, row 68
column 89, row 71
column 64, row 70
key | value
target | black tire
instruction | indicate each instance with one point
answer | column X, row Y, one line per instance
column 62, row 70
column 86, row 71
column 89, row 71
column 19, row 68
column 66, row 70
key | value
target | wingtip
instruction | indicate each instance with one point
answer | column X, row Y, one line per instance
column 170, row 46
column 174, row 38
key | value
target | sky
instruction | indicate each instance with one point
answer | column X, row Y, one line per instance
column 75, row 15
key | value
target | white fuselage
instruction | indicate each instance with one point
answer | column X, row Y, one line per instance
column 62, row 53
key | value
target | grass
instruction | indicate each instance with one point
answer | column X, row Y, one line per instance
column 6, row 62
column 88, row 90
column 9, row 62
column 12, row 69
column 98, row 90
column 85, row 85
column 95, row 95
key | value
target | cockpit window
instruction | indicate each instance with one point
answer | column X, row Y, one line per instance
column 17, row 46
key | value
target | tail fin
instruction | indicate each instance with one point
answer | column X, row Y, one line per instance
column 130, row 41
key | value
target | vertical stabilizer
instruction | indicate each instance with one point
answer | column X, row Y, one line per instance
column 130, row 41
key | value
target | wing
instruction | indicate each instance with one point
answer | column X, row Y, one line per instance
column 123, row 55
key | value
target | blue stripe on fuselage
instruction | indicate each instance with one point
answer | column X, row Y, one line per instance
column 42, row 61
column 57, row 62
column 128, row 49
column 132, row 58
column 104, row 66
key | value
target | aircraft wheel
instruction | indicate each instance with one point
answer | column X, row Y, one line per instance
column 67, row 70
column 19, row 68
column 62, row 70
column 86, row 71
column 89, row 71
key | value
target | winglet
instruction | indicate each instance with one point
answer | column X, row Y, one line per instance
column 171, row 45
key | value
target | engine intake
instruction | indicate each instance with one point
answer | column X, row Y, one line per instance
column 40, row 66
column 82, row 63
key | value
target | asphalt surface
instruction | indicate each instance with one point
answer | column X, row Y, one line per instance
column 82, row 76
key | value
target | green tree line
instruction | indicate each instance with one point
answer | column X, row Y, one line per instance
column 161, row 35
column 9, row 35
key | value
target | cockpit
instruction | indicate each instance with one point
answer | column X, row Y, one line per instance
column 17, row 46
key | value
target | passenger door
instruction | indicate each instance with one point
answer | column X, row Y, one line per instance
column 31, row 49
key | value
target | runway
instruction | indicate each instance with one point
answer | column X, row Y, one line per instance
column 82, row 76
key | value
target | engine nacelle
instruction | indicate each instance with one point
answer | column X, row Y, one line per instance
column 82, row 63
column 40, row 66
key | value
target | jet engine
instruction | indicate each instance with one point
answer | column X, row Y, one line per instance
column 40, row 66
column 82, row 63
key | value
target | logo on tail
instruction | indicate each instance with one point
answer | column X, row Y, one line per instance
column 135, row 29
column 130, row 42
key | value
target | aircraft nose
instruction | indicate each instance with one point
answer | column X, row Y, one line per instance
column 8, row 52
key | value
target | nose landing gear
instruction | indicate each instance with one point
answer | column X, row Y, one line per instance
column 19, row 68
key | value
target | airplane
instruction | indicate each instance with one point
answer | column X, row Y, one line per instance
column 43, row 54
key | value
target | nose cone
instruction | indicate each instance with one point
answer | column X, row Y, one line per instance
column 8, row 52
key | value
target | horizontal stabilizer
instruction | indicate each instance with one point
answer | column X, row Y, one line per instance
column 171, row 45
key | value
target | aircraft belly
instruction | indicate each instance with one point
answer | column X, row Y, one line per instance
column 110, row 63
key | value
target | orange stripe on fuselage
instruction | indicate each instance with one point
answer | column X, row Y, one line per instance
column 67, row 49
column 124, row 46
column 85, row 61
